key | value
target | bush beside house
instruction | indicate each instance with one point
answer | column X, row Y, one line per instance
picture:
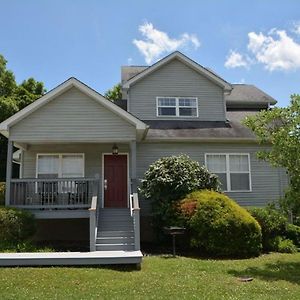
column 17, row 227
column 219, row 226
column 277, row 233
column 169, row 179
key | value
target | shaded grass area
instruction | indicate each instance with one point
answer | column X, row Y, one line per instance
column 276, row 276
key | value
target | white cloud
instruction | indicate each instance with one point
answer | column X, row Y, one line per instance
column 129, row 61
column 276, row 51
column 156, row 42
column 235, row 60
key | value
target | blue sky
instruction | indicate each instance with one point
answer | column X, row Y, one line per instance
column 254, row 42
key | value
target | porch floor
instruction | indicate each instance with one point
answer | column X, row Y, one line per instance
column 70, row 258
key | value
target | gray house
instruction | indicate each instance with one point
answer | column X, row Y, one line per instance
column 82, row 155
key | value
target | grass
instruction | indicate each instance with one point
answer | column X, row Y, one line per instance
column 276, row 276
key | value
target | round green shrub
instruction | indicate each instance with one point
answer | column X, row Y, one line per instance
column 169, row 179
column 293, row 233
column 286, row 246
column 219, row 226
column 272, row 224
column 16, row 226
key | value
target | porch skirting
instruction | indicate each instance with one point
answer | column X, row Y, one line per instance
column 63, row 230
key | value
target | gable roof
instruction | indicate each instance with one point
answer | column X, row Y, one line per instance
column 60, row 89
column 248, row 94
column 186, row 60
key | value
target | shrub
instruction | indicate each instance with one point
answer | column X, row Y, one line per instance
column 272, row 223
column 169, row 179
column 293, row 233
column 286, row 246
column 2, row 193
column 16, row 226
column 219, row 225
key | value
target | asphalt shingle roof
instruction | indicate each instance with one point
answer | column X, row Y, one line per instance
column 248, row 93
column 233, row 128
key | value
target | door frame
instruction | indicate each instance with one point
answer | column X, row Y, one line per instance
column 102, row 176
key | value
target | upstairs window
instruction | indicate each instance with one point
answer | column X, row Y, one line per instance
column 233, row 170
column 177, row 106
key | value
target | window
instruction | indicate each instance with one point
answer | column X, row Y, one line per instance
column 60, row 165
column 177, row 106
column 233, row 170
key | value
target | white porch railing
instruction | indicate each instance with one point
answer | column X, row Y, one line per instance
column 93, row 223
column 135, row 214
column 57, row 193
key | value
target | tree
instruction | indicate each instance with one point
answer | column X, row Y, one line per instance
column 168, row 180
column 115, row 93
column 280, row 127
column 14, row 97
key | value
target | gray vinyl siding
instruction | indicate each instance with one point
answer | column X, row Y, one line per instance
column 268, row 183
column 72, row 116
column 92, row 155
column 176, row 79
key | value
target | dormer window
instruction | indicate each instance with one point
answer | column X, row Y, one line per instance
column 177, row 106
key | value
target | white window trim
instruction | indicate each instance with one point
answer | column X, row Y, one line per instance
column 60, row 155
column 228, row 188
column 177, row 107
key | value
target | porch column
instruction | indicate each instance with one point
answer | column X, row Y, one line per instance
column 9, row 163
column 133, row 165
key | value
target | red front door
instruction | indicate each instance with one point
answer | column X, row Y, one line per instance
column 115, row 180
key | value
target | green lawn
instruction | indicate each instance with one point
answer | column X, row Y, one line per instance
column 276, row 276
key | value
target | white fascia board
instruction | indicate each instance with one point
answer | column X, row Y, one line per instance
column 219, row 81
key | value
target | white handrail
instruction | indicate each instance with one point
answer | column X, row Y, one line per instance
column 93, row 225
column 131, row 204
column 135, row 214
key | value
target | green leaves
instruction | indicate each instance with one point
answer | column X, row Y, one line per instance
column 169, row 179
column 280, row 128
column 211, row 216
column 114, row 93
column 14, row 97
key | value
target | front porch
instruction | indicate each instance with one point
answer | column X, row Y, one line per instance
column 114, row 230
column 64, row 138
column 44, row 184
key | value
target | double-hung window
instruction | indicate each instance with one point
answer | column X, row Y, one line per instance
column 51, row 166
column 60, row 165
column 177, row 106
column 233, row 170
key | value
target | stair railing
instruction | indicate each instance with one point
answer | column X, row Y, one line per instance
column 93, row 223
column 135, row 214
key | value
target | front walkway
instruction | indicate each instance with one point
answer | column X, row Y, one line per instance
column 70, row 258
